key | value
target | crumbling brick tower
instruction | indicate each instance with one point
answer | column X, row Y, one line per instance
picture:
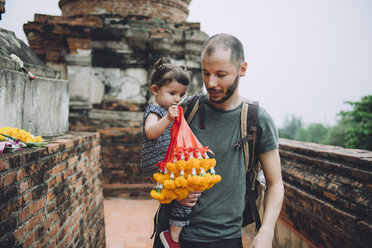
column 2, row 7
column 106, row 49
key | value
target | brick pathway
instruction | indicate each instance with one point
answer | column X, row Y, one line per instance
column 129, row 223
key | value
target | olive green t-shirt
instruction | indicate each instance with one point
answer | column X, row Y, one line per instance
column 218, row 212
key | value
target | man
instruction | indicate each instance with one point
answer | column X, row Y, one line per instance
column 216, row 218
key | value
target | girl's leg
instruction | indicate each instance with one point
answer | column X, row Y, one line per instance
column 175, row 232
column 179, row 217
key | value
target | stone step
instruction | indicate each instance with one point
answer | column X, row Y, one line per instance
column 128, row 191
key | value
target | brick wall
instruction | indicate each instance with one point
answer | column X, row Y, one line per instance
column 170, row 10
column 327, row 194
column 52, row 197
column 120, row 128
column 52, row 37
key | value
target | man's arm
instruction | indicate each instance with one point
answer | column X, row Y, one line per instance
column 273, row 200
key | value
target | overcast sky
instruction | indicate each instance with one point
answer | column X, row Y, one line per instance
column 305, row 58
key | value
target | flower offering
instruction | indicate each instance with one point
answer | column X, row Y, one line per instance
column 186, row 166
column 14, row 139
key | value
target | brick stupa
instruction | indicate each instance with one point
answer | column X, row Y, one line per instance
column 106, row 49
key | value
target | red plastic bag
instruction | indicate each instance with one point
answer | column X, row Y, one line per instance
column 185, row 165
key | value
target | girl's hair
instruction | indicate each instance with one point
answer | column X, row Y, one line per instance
column 164, row 72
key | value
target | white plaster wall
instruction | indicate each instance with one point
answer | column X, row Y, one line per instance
column 11, row 98
column 96, row 89
column 79, row 78
column 62, row 68
column 39, row 106
column 126, row 85
column 45, row 108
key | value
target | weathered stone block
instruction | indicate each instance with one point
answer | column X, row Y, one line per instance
column 39, row 106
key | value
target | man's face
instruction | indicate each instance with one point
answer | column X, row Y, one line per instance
column 220, row 75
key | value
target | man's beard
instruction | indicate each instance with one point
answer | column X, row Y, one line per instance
column 230, row 90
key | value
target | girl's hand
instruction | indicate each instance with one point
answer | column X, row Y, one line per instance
column 191, row 199
column 172, row 113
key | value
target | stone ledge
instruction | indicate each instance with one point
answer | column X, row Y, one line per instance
column 355, row 157
column 56, row 144
column 115, row 115
column 39, row 106
column 35, row 69
column 327, row 193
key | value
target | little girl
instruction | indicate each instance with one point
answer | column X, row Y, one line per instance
column 168, row 84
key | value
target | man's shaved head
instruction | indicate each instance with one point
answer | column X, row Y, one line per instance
column 226, row 42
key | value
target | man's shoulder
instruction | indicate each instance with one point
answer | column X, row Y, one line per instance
column 264, row 116
column 267, row 132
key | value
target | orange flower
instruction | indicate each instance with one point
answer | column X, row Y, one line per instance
column 19, row 134
column 157, row 195
column 172, row 167
column 181, row 193
column 193, row 182
column 169, row 184
column 159, row 177
column 181, row 182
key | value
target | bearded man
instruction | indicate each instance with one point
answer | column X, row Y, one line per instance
column 217, row 214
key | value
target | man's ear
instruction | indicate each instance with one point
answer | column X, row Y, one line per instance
column 243, row 69
column 154, row 89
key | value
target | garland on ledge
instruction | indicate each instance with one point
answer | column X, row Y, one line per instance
column 14, row 139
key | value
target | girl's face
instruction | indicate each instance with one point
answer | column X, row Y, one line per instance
column 169, row 94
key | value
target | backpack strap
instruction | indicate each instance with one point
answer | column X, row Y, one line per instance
column 252, row 124
column 190, row 109
column 249, row 124
column 194, row 103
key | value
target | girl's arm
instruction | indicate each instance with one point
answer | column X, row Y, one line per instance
column 154, row 125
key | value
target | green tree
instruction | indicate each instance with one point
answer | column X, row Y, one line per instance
column 315, row 133
column 291, row 127
column 336, row 136
column 359, row 124
column 353, row 130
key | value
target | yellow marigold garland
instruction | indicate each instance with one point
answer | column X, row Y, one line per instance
column 184, row 175
column 19, row 134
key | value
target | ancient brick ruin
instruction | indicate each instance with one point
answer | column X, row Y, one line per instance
column 2, row 7
column 327, row 195
column 106, row 49
column 52, row 197
column 49, row 197
column 25, row 103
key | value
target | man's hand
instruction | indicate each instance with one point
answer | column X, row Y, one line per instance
column 263, row 239
column 172, row 113
column 191, row 199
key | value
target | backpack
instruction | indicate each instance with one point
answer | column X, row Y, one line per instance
column 249, row 124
